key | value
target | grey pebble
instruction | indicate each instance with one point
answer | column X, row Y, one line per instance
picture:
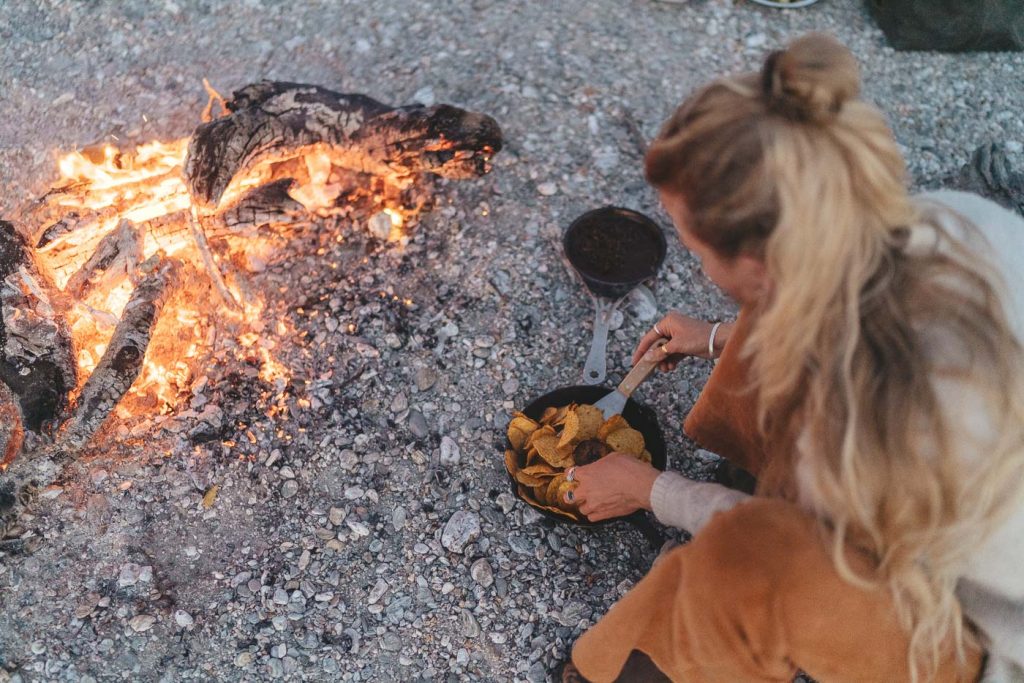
column 289, row 488
column 463, row 527
column 482, row 573
column 417, row 424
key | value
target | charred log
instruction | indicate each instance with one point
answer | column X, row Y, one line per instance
column 274, row 121
column 37, row 361
column 989, row 174
column 122, row 361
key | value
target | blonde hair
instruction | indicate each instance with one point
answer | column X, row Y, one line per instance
column 789, row 165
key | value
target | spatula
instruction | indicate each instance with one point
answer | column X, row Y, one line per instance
column 614, row 402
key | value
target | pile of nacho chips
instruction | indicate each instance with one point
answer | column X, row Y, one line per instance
column 575, row 434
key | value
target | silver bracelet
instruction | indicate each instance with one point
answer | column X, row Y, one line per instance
column 711, row 340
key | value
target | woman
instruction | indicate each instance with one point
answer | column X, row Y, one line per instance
column 874, row 383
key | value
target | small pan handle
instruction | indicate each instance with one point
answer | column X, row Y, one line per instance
column 596, row 367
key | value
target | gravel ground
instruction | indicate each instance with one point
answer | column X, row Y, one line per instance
column 324, row 554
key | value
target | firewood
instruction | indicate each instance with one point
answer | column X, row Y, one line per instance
column 274, row 121
column 12, row 432
column 116, row 257
column 122, row 361
column 37, row 360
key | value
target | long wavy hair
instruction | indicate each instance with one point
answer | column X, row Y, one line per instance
column 862, row 339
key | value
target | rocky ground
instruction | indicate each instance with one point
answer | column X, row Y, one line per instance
column 328, row 548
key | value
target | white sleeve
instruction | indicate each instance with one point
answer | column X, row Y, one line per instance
column 686, row 504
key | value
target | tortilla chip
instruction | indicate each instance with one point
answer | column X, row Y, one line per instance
column 523, row 424
column 590, row 420
column 530, row 480
column 627, row 441
column 571, row 430
column 612, row 424
column 547, row 447
column 540, row 470
column 551, row 493
column 516, row 437
column 545, row 431
column 511, row 461
column 549, row 415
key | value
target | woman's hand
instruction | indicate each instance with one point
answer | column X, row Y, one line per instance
column 615, row 485
column 686, row 337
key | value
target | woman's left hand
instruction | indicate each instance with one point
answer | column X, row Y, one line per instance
column 615, row 485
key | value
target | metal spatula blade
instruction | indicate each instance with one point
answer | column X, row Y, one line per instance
column 615, row 401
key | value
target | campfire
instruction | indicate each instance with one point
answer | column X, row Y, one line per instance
column 107, row 279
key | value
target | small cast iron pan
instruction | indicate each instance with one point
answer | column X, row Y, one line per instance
column 614, row 249
column 639, row 416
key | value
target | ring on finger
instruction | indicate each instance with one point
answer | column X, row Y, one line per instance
column 571, row 474
column 660, row 333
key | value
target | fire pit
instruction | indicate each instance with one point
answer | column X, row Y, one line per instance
column 103, row 278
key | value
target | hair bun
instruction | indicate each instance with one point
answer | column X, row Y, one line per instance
column 811, row 79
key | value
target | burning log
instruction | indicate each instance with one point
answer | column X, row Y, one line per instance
column 122, row 361
column 37, row 361
column 275, row 121
column 12, row 433
column 116, row 258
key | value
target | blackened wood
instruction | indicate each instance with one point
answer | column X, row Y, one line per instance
column 37, row 360
column 267, row 205
column 273, row 121
column 117, row 256
column 989, row 174
column 123, row 359
column 12, row 432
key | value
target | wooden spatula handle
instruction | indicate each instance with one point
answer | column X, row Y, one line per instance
column 643, row 368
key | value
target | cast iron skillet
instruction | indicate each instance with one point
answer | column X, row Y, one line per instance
column 640, row 417
column 641, row 260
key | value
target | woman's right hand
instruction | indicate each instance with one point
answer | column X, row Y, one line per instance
column 686, row 337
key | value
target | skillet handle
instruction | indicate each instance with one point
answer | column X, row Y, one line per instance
column 595, row 369
column 644, row 367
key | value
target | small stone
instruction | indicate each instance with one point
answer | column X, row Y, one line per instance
column 547, row 189
column 424, row 96
column 379, row 225
column 279, row 651
column 450, row 453
column 275, row 668
column 399, row 403
column 129, row 575
column 38, row 647
column 398, row 517
column 510, row 386
column 142, row 622
column 506, row 501
column 417, row 424
column 756, row 40
column 470, row 627
column 243, row 659
column 348, row 460
column 280, row 596
column 87, row 606
column 62, row 99
column 357, row 527
column 336, row 516
column 289, row 488
column 377, row 592
column 354, row 493
column 463, row 527
column 482, row 573
column 497, row 637
column 425, row 378
column 183, row 618
column 391, row 641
